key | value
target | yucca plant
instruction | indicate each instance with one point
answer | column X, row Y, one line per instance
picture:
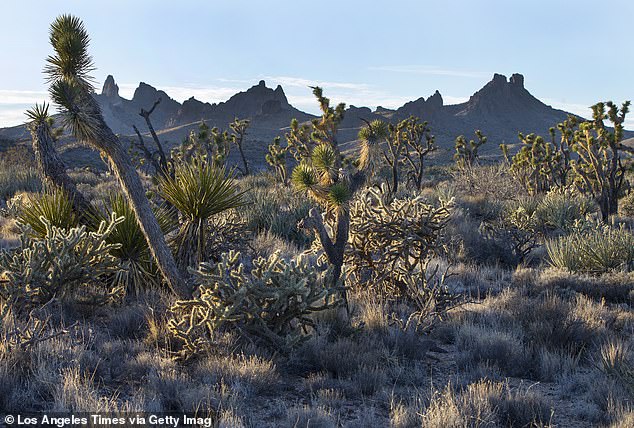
column 562, row 207
column 54, row 208
column 137, row 268
column 199, row 190
column 597, row 250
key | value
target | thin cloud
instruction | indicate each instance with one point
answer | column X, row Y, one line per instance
column 10, row 96
column 300, row 82
column 13, row 115
column 431, row 70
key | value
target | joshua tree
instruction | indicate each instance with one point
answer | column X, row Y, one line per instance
column 239, row 128
column 418, row 143
column 320, row 175
column 209, row 143
column 68, row 72
column 276, row 158
column 467, row 152
column 51, row 166
column 567, row 130
column 536, row 164
column 371, row 137
column 599, row 169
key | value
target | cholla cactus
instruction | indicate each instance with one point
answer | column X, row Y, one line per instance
column 390, row 238
column 276, row 158
column 271, row 303
column 467, row 152
column 63, row 264
column 392, row 243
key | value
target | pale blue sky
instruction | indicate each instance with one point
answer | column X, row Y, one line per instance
column 572, row 53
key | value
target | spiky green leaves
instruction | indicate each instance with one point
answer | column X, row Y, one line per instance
column 338, row 195
column 370, row 137
column 199, row 190
column 39, row 113
column 80, row 112
column 54, row 209
column 324, row 161
column 304, row 177
column 71, row 60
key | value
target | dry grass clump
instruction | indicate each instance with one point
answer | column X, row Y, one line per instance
column 486, row 404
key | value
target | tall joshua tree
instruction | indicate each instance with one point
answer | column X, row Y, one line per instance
column 322, row 175
column 52, row 168
column 70, row 88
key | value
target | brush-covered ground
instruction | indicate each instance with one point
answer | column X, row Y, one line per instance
column 533, row 339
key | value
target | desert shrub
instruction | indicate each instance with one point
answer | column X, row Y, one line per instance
column 482, row 208
column 597, row 249
column 14, row 178
column 616, row 360
column 615, row 287
column 63, row 264
column 492, row 181
column 516, row 231
column 54, row 208
column 483, row 404
column 561, row 208
column 626, row 205
column 271, row 303
column 278, row 211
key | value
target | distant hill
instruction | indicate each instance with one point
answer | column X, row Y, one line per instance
column 501, row 109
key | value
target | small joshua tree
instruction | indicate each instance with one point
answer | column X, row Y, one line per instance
column 276, row 158
column 211, row 144
column 405, row 144
column 536, row 165
column 239, row 128
column 599, row 168
column 418, row 143
column 467, row 152
column 567, row 130
column 371, row 155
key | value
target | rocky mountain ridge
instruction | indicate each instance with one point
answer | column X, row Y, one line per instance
column 501, row 108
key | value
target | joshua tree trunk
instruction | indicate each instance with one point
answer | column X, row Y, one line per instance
column 244, row 159
column 335, row 251
column 109, row 144
column 52, row 167
column 101, row 137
